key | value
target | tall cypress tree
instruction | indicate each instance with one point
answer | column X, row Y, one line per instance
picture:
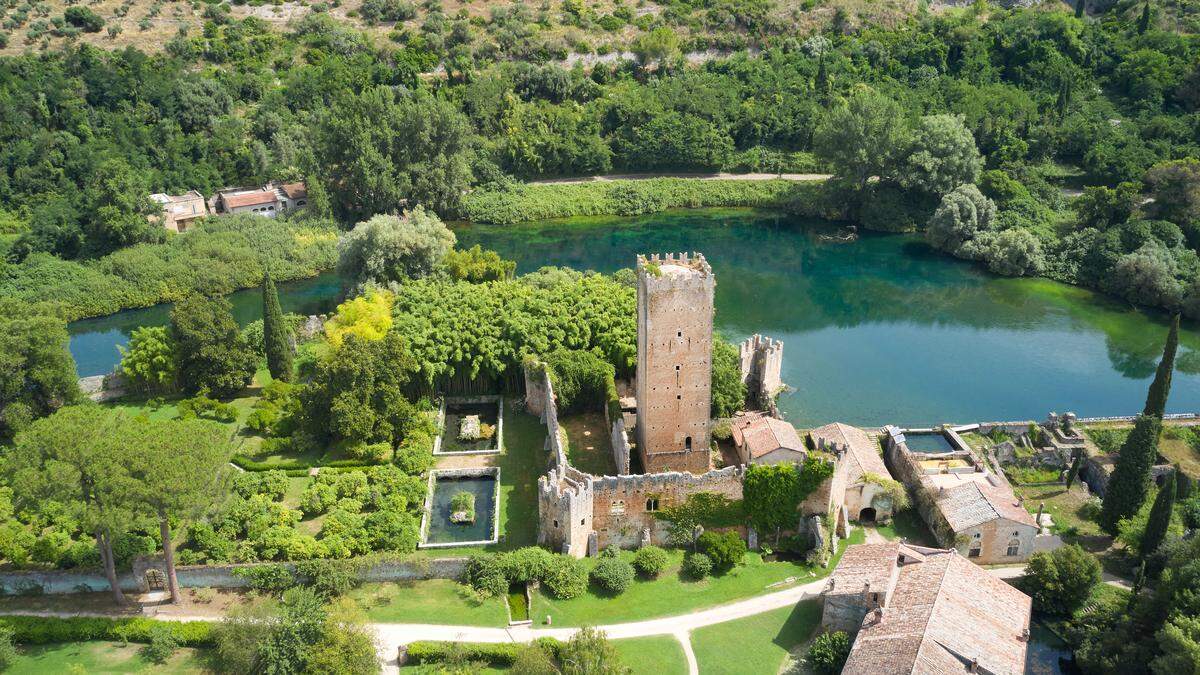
column 1160, row 388
column 1130, row 479
column 276, row 342
column 1079, row 7
column 1160, row 519
column 1144, row 21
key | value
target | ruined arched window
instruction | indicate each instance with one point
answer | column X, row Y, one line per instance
column 652, row 504
column 1014, row 547
column 687, row 443
column 975, row 549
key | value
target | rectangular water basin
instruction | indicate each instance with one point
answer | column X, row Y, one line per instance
column 489, row 410
column 437, row 530
column 928, row 443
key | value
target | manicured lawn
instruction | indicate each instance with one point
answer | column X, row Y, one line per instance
column 439, row 601
column 101, row 657
column 907, row 525
column 589, row 443
column 521, row 464
column 659, row 655
column 671, row 593
column 1072, row 509
column 755, row 644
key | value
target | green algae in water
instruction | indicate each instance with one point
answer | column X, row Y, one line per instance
column 518, row 606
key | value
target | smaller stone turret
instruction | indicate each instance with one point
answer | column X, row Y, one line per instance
column 761, row 360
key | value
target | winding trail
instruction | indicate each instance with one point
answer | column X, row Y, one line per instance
column 721, row 175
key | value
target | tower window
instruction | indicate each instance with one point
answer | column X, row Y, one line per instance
column 652, row 504
column 679, row 334
column 687, row 443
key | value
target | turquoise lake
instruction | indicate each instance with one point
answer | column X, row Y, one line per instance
column 881, row 330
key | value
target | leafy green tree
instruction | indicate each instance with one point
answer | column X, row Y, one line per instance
column 37, row 373
column 150, row 362
column 942, row 156
column 1160, row 519
column 477, row 265
column 1079, row 8
column 84, row 18
column 118, row 208
column 963, row 213
column 1061, row 580
column 77, row 457
column 357, row 393
column 1103, row 207
column 1130, row 480
column 1175, row 187
column 613, row 575
column 1179, row 647
column 1013, row 252
column 1160, row 387
column 650, row 561
column 387, row 149
column 829, row 652
column 588, row 652
column 658, row 46
column 1144, row 19
column 277, row 334
column 728, row 390
column 391, row 248
column 180, row 469
column 319, row 206
column 213, row 356
column 862, row 137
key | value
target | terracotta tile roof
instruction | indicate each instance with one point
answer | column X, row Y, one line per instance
column 977, row 502
column 864, row 564
column 863, row 451
column 295, row 190
column 255, row 198
column 762, row 434
column 944, row 614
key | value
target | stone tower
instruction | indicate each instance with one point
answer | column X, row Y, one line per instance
column 674, row 370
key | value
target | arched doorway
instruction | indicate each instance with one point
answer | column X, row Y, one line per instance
column 867, row 515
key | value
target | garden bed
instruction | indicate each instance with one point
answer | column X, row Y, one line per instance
column 471, row 426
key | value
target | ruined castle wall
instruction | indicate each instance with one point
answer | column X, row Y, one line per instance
column 625, row 506
column 675, row 313
column 564, row 495
column 620, row 446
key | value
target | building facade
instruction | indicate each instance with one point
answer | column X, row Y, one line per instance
column 674, row 367
column 179, row 212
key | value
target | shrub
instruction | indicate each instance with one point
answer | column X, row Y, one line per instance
column 464, row 503
column 84, row 18
column 317, row 498
column 272, row 579
column 828, row 652
column 329, row 578
column 1061, row 580
column 649, row 561
column 565, row 577
column 162, row 646
column 725, row 549
column 498, row 654
column 484, row 573
column 697, row 565
column 206, row 408
column 272, row 484
column 8, row 651
column 613, row 575
column 415, row 454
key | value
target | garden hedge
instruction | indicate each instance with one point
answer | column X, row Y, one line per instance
column 39, row 630
column 498, row 654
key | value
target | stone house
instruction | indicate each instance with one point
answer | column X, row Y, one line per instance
column 856, row 482
column 762, row 439
column 981, row 517
column 923, row 610
column 179, row 212
column 269, row 200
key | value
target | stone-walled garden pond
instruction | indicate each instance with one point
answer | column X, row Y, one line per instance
column 444, row 524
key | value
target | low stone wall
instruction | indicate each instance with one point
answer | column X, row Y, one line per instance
column 206, row 576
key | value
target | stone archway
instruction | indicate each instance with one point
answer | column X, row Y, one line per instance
column 867, row 515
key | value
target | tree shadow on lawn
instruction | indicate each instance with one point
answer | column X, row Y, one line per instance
column 800, row 624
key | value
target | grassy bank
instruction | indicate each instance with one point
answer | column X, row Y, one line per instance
column 220, row 256
column 520, row 202
column 755, row 644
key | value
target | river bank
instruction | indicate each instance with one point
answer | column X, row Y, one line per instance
column 883, row 329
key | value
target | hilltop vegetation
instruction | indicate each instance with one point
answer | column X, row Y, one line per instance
column 970, row 121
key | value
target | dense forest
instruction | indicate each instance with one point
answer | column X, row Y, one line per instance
column 977, row 122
